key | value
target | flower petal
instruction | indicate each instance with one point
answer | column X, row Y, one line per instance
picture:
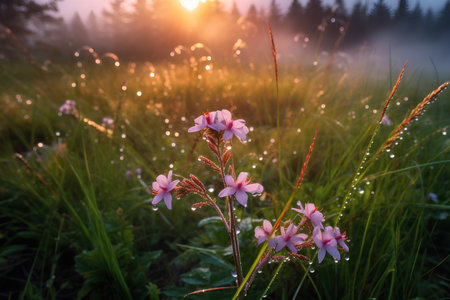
column 242, row 197
column 321, row 254
column 162, row 180
column 196, row 128
column 267, row 226
column 157, row 198
column 172, row 185
column 242, row 177
column 229, row 180
column 155, row 186
column 334, row 252
column 254, row 188
column 271, row 243
column 291, row 247
column 280, row 243
column 227, row 135
column 227, row 192
column 168, row 200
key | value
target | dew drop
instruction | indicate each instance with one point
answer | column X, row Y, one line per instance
column 310, row 262
column 313, row 247
column 346, row 257
column 193, row 207
column 234, row 274
column 361, row 191
column 312, row 270
column 336, row 261
column 392, row 155
column 155, row 208
column 259, row 271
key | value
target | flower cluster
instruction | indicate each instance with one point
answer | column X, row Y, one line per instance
column 68, row 108
column 326, row 241
column 108, row 123
column 221, row 121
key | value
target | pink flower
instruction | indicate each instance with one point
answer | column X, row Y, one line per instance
column 240, row 188
column 108, row 122
column 340, row 238
column 310, row 211
column 263, row 232
column 326, row 243
column 230, row 127
column 207, row 119
column 386, row 121
column 162, row 187
column 68, row 108
column 289, row 238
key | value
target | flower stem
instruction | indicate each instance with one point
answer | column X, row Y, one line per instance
column 232, row 232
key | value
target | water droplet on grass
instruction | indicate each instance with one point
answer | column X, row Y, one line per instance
column 312, row 270
column 346, row 257
column 155, row 208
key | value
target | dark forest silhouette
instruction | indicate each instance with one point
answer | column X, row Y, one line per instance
column 152, row 28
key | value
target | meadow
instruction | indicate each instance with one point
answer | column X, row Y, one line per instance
column 75, row 199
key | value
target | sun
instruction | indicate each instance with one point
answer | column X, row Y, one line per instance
column 189, row 4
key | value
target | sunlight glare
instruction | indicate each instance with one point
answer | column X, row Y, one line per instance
column 189, row 4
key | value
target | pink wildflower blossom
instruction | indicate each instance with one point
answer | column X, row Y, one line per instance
column 386, row 121
column 263, row 232
column 240, row 188
column 108, row 122
column 310, row 211
column 207, row 119
column 326, row 243
column 289, row 238
column 68, row 108
column 163, row 187
column 231, row 127
column 340, row 238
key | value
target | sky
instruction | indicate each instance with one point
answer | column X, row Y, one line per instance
column 68, row 8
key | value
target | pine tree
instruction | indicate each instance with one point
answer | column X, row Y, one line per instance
column 93, row 29
column 443, row 21
column 79, row 32
column 16, row 15
column 313, row 15
column 358, row 24
column 294, row 16
column 380, row 16
column 252, row 14
column 401, row 14
column 274, row 14
column 235, row 11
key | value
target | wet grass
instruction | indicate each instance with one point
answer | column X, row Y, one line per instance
column 75, row 216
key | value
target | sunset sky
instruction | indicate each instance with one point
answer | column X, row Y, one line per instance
column 69, row 7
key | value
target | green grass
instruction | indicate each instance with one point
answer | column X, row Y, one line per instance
column 74, row 224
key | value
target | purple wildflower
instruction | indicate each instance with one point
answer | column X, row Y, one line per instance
column 240, row 188
column 386, row 121
column 162, row 188
column 207, row 119
column 68, row 108
column 340, row 238
column 289, row 238
column 108, row 123
column 326, row 243
column 231, row 127
column 263, row 232
column 310, row 211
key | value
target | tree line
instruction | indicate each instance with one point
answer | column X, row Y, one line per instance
column 150, row 29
